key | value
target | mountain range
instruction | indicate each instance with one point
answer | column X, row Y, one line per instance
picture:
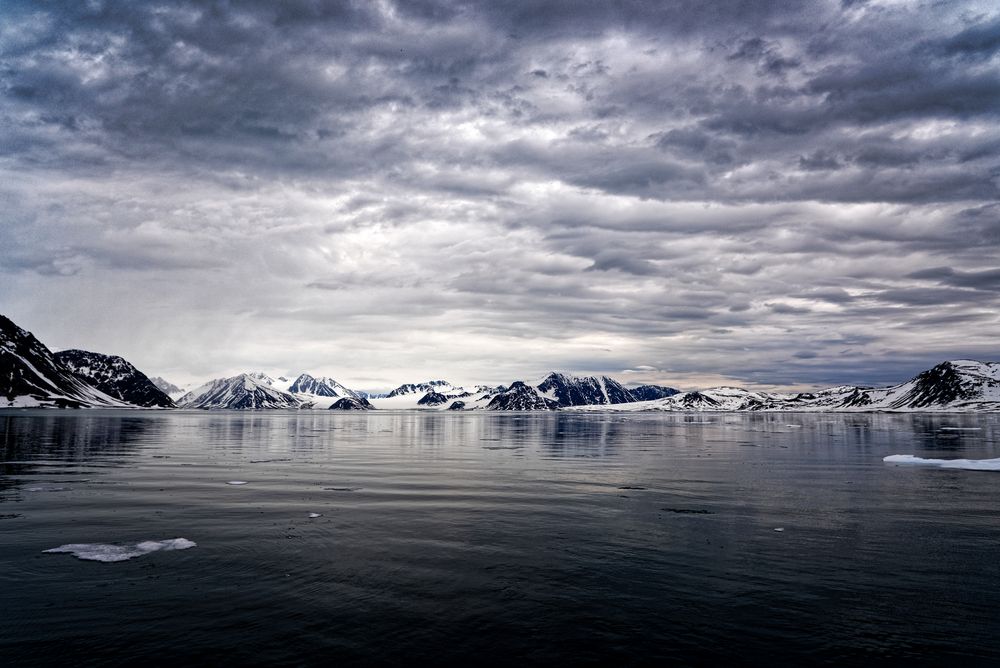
column 31, row 375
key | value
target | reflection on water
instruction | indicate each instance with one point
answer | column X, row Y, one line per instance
column 396, row 537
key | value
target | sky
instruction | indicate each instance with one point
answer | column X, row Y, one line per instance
column 691, row 193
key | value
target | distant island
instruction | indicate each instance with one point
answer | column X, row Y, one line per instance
column 32, row 376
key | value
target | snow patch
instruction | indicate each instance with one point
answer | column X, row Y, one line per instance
column 965, row 464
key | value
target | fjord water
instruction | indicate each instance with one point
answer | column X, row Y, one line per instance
column 532, row 538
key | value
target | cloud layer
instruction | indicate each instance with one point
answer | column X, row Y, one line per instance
column 781, row 193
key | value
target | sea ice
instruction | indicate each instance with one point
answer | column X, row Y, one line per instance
column 966, row 464
column 111, row 553
column 237, row 482
column 313, row 516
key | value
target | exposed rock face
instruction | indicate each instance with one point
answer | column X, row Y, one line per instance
column 115, row 377
column 457, row 406
column 242, row 392
column 650, row 392
column 521, row 397
column 30, row 375
column 352, row 404
column 434, row 399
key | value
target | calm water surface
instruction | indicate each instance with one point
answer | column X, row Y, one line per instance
column 499, row 538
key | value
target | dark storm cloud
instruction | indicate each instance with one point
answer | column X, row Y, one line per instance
column 988, row 279
column 709, row 181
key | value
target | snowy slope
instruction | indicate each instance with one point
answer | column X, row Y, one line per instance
column 30, row 376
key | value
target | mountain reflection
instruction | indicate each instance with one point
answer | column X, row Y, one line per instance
column 55, row 443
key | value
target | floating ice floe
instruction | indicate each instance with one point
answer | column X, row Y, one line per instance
column 237, row 482
column 111, row 553
column 966, row 464
column 313, row 516
column 960, row 428
column 45, row 488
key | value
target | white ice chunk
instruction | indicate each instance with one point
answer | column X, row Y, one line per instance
column 313, row 516
column 237, row 482
column 111, row 553
column 967, row 464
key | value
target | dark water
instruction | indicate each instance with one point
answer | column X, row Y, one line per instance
column 499, row 538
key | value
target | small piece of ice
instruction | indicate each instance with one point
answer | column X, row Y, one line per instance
column 965, row 464
column 45, row 488
column 780, row 529
column 112, row 553
column 313, row 516
column 237, row 482
column 960, row 428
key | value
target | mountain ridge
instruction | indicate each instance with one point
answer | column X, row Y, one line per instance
column 31, row 375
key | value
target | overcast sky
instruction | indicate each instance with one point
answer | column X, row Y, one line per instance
column 686, row 192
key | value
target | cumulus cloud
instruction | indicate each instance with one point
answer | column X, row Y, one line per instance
column 772, row 193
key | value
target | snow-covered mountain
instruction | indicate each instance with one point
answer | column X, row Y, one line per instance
column 957, row 385
column 320, row 387
column 245, row 391
column 421, row 388
column 115, row 377
column 164, row 386
column 30, row 375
